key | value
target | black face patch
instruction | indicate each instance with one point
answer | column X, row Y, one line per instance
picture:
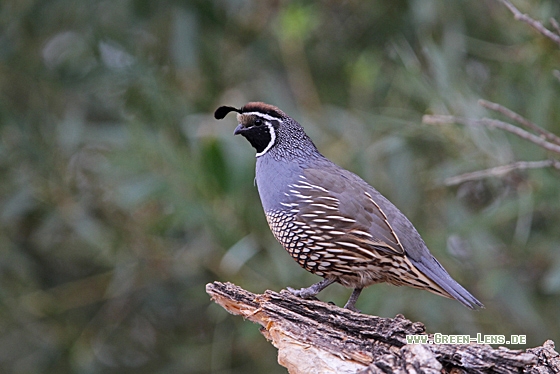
column 258, row 135
column 259, row 123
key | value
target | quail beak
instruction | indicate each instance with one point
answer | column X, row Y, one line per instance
column 239, row 129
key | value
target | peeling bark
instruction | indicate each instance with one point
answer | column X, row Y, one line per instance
column 316, row 337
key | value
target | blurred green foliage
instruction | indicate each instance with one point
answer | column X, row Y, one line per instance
column 121, row 196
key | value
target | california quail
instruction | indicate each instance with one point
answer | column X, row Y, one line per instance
column 331, row 221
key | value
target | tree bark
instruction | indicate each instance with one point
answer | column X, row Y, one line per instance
column 316, row 337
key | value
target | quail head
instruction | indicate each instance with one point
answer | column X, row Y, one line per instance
column 331, row 221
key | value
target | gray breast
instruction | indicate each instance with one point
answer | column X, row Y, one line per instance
column 273, row 179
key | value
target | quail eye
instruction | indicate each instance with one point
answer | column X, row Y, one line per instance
column 258, row 122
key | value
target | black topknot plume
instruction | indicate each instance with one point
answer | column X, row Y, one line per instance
column 222, row 111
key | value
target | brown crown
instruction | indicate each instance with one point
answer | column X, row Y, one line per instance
column 271, row 110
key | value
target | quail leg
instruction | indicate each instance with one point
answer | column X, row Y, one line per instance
column 306, row 293
column 352, row 300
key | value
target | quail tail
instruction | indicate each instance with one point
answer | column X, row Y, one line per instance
column 435, row 271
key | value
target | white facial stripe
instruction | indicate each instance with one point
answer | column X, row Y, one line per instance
column 262, row 115
column 272, row 137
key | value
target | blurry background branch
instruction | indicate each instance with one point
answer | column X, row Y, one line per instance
column 493, row 123
column 499, row 171
column 521, row 120
column 534, row 23
column 543, row 138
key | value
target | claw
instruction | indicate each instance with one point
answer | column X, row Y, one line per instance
column 309, row 292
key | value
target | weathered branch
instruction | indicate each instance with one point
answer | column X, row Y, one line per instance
column 531, row 22
column 316, row 337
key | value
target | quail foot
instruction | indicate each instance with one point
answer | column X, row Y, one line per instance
column 331, row 221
